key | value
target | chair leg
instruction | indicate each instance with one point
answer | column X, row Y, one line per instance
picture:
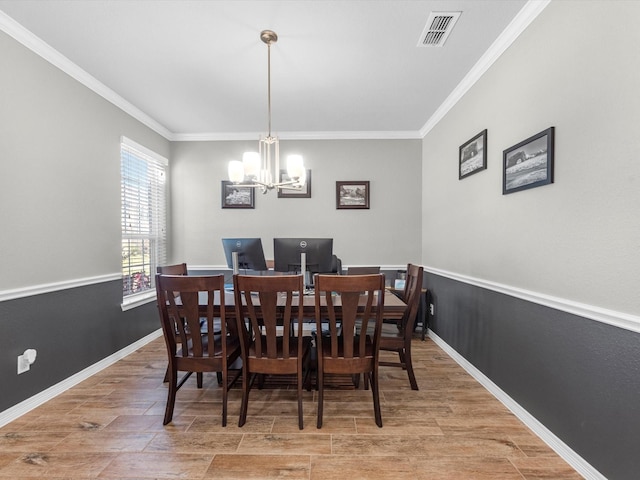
column 199, row 379
column 402, row 357
column 167, row 374
column 376, row 397
column 409, row 367
column 171, row 396
column 320, row 382
column 245, row 397
column 225, row 392
column 300, row 379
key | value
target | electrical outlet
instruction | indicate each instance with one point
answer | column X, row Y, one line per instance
column 431, row 309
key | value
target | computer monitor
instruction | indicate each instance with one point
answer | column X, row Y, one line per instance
column 318, row 252
column 249, row 250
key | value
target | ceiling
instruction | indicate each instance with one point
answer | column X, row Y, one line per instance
column 198, row 69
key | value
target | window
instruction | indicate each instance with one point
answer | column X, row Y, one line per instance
column 143, row 211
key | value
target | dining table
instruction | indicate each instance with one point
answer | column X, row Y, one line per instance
column 394, row 306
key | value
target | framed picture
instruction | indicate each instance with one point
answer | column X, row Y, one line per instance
column 235, row 196
column 352, row 194
column 529, row 164
column 294, row 193
column 472, row 157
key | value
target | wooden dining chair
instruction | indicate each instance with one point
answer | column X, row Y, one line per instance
column 397, row 336
column 345, row 302
column 182, row 301
column 177, row 269
column 269, row 315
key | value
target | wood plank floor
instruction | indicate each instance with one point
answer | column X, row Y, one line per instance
column 110, row 427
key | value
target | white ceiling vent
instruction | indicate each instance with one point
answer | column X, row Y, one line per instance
column 438, row 28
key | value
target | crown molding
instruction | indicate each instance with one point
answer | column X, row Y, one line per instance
column 518, row 25
column 239, row 136
column 51, row 55
column 520, row 22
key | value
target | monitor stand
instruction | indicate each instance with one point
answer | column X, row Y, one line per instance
column 235, row 263
column 307, row 276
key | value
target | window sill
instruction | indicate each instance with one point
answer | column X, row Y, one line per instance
column 138, row 300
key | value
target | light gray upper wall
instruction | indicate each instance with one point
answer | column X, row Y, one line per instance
column 386, row 234
column 60, row 181
column 575, row 68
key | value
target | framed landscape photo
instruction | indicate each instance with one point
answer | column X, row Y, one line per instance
column 472, row 157
column 305, row 192
column 353, row 194
column 529, row 164
column 235, row 196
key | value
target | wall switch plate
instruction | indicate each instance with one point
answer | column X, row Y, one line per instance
column 26, row 359
column 23, row 364
column 431, row 309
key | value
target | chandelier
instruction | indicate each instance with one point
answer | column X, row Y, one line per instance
column 261, row 169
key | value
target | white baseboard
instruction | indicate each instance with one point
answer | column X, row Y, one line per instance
column 558, row 446
column 29, row 404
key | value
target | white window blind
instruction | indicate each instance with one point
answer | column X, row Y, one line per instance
column 143, row 216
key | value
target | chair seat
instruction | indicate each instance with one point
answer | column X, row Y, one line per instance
column 233, row 343
column 326, row 347
column 293, row 347
column 392, row 337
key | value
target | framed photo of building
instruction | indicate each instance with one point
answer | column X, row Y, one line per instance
column 529, row 163
column 472, row 157
column 235, row 196
column 354, row 194
column 305, row 192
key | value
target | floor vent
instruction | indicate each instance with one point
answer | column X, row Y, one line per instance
column 438, row 28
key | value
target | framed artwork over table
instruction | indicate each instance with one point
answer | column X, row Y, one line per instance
column 352, row 195
column 236, row 196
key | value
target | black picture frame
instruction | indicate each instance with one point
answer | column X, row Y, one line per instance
column 237, row 196
column 472, row 155
column 529, row 164
column 305, row 192
column 352, row 195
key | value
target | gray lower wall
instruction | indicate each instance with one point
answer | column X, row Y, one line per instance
column 71, row 330
column 580, row 378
